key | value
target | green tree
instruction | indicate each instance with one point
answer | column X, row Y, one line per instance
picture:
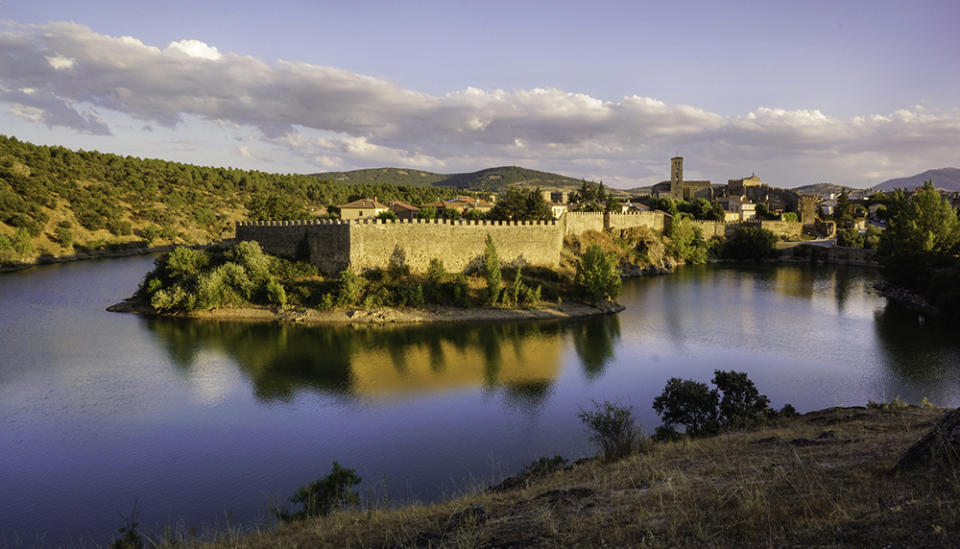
column 688, row 403
column 521, row 205
column 923, row 235
column 387, row 215
column 747, row 242
column 491, row 271
column 428, row 212
column 597, row 274
column 741, row 404
column 686, row 241
column 849, row 238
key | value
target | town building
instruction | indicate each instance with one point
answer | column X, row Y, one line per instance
column 364, row 208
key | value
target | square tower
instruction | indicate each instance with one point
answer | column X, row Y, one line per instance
column 676, row 177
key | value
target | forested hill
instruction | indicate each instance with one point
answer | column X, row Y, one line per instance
column 54, row 200
column 823, row 189
column 490, row 179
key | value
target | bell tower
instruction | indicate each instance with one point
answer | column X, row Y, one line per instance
column 676, row 178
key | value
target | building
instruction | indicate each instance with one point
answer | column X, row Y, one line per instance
column 737, row 208
column 362, row 209
column 404, row 210
column 678, row 188
column 739, row 187
column 558, row 197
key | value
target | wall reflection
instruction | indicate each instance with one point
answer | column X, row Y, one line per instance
column 524, row 357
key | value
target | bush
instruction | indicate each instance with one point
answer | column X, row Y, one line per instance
column 612, row 429
column 22, row 243
column 183, row 262
column 324, row 495
column 7, row 253
column 597, row 274
column 350, row 288
column 750, row 243
column 686, row 241
column 387, row 215
column 849, row 238
column 276, row 293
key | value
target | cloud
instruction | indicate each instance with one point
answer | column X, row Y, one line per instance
column 334, row 117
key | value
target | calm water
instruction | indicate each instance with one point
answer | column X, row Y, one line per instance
column 197, row 422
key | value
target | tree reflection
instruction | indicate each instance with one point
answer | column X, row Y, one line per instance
column 918, row 350
column 281, row 359
column 594, row 339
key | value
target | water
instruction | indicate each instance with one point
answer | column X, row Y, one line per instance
column 198, row 423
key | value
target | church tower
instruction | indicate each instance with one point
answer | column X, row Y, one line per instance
column 676, row 178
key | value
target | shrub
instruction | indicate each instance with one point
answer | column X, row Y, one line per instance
column 436, row 271
column 324, row 495
column 597, row 274
column 183, row 262
column 686, row 241
column 491, row 271
column 752, row 243
column 849, row 238
column 250, row 256
column 350, row 288
column 688, row 403
column 63, row 233
column 388, row 215
column 7, row 253
column 460, row 291
column 275, row 292
column 428, row 212
column 612, row 429
column 22, row 243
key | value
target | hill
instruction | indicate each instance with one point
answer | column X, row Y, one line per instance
column 943, row 178
column 823, row 189
column 56, row 202
column 487, row 180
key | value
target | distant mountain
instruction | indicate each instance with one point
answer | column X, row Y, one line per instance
column 823, row 189
column 490, row 179
column 944, row 178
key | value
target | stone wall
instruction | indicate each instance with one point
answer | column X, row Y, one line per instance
column 459, row 244
column 581, row 222
column 367, row 244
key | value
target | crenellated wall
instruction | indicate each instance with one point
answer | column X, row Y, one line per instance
column 362, row 244
column 369, row 244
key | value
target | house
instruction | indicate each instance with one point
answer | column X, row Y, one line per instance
column 737, row 208
column 404, row 210
column 365, row 208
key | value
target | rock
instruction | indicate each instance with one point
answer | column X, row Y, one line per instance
column 939, row 447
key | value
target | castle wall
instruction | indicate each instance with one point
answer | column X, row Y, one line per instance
column 650, row 220
column 581, row 222
column 458, row 244
column 325, row 243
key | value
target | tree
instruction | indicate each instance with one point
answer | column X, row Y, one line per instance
column 686, row 241
column 923, row 235
column 387, row 215
column 688, row 403
column 752, row 243
column 491, row 271
column 521, row 205
column 428, row 212
column 597, row 274
column 612, row 429
column 849, row 238
column 22, row 243
column 741, row 404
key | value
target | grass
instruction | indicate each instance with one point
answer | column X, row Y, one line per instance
column 821, row 479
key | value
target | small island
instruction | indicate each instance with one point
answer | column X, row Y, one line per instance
column 239, row 281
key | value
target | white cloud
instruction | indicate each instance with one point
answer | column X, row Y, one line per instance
column 336, row 118
column 193, row 48
column 60, row 62
column 245, row 151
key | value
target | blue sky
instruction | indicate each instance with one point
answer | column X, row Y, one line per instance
column 798, row 92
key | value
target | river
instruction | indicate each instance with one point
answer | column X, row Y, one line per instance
column 200, row 424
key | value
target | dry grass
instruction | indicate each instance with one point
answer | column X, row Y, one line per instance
column 817, row 480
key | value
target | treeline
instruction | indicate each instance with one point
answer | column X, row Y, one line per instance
column 61, row 197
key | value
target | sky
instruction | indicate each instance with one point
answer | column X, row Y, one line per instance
column 847, row 92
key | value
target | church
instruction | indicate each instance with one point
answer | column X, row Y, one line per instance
column 678, row 189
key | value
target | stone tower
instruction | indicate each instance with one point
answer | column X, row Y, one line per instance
column 808, row 209
column 676, row 177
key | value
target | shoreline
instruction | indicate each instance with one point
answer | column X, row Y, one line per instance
column 383, row 315
column 98, row 254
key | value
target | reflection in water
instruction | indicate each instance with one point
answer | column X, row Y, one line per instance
column 595, row 339
column 923, row 353
column 379, row 361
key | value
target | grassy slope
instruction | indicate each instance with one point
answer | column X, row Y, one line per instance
column 816, row 480
column 490, row 179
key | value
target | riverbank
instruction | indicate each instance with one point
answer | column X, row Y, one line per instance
column 821, row 479
column 95, row 254
column 381, row 315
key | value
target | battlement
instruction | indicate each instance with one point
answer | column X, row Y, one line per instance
column 459, row 222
